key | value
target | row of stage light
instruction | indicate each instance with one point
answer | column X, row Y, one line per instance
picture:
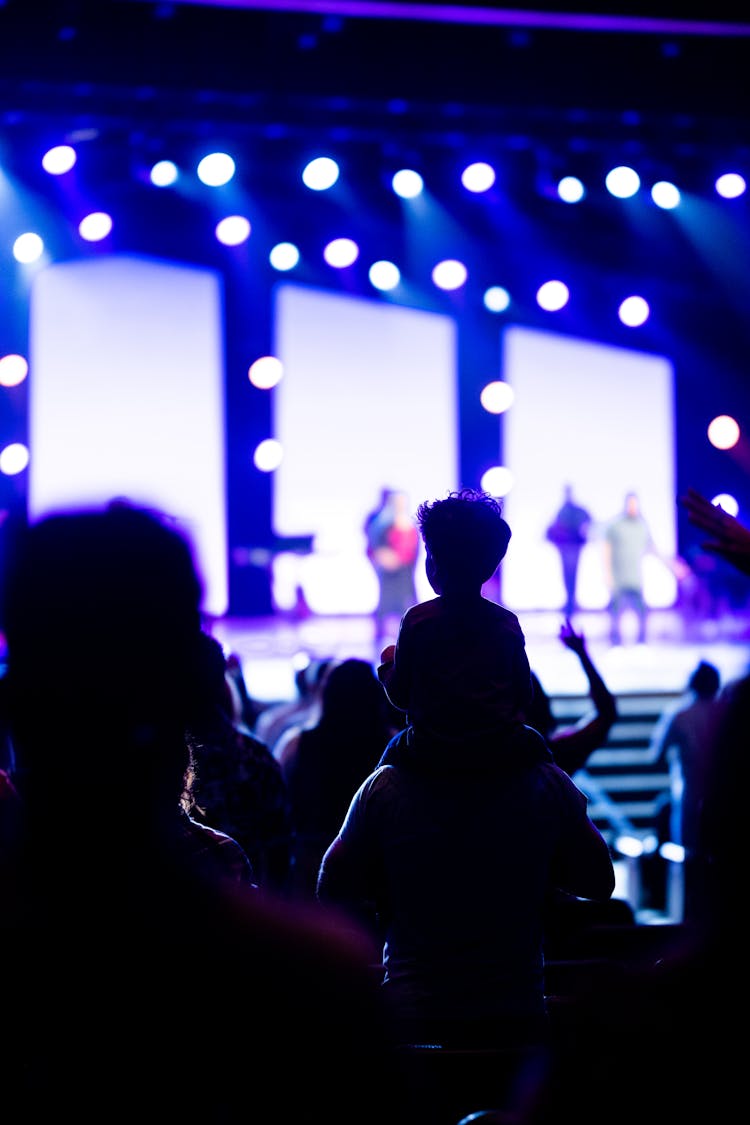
column 321, row 174
column 217, row 169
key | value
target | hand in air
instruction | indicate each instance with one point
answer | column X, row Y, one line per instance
column 729, row 539
column 571, row 639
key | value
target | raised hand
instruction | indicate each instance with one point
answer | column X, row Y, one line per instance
column 729, row 539
column 571, row 639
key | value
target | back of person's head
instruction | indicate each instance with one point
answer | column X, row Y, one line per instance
column 102, row 620
column 213, row 692
column 352, row 695
column 465, row 537
column 705, row 680
column 309, row 679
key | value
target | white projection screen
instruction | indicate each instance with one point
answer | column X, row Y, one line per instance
column 599, row 418
column 126, row 397
column 368, row 400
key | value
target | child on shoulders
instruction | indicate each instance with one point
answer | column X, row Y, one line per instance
column 459, row 667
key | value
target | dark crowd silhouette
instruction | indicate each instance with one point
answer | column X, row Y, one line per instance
column 384, row 901
column 141, row 975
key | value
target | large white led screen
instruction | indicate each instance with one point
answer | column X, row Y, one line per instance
column 599, row 418
column 126, row 397
column 368, row 400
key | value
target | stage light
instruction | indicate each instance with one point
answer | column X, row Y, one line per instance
column 320, row 174
column 673, row 853
column 665, row 195
column 13, row 370
column 59, row 160
column 633, row 311
column 268, row 455
column 284, row 256
column 497, row 397
column 341, row 252
column 407, row 183
column 266, row 372
column 723, row 432
column 449, row 274
column 14, row 459
column 28, row 248
column 95, row 227
column 622, row 182
column 216, row 169
column 629, row 846
column 164, row 173
column 498, row 481
column 570, row 189
column 233, row 230
column 384, row 275
column 731, row 185
column 496, row 299
column 478, row 177
column 552, row 296
column 727, row 503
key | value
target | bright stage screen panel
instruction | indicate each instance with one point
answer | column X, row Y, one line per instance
column 126, row 397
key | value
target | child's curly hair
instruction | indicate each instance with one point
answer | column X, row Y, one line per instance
column 465, row 534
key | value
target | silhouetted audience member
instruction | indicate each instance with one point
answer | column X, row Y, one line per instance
column 683, row 741
column 673, row 1023
column 455, row 854
column 459, row 667
column 238, row 785
column 324, row 764
column 135, row 981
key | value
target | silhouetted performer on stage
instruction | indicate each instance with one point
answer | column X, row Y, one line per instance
column 627, row 541
column 569, row 532
column 392, row 548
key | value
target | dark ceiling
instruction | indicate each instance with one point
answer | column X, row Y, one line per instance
column 246, row 66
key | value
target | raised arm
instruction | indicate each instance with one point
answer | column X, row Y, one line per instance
column 571, row 748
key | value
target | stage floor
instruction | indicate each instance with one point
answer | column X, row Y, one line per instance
column 270, row 647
